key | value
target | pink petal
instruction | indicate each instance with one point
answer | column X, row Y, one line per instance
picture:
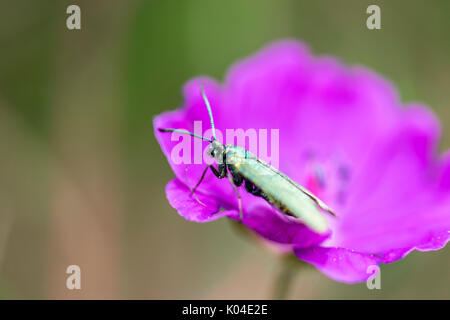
column 338, row 263
column 271, row 225
column 187, row 206
column 394, row 203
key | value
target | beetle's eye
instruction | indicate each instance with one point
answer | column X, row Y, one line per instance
column 213, row 153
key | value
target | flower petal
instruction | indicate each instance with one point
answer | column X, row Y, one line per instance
column 394, row 196
column 187, row 206
column 261, row 218
column 184, row 118
column 189, row 167
column 272, row 225
column 394, row 204
column 338, row 263
column 317, row 103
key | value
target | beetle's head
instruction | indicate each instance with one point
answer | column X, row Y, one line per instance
column 216, row 150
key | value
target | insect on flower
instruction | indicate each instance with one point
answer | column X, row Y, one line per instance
column 260, row 179
column 344, row 135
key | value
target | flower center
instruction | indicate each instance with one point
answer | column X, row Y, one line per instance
column 327, row 178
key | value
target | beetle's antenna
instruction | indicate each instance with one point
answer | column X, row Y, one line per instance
column 209, row 111
column 185, row 132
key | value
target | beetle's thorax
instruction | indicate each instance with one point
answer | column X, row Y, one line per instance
column 228, row 154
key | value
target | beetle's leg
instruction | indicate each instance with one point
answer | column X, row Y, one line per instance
column 192, row 190
column 241, row 213
column 238, row 180
column 201, row 179
column 221, row 173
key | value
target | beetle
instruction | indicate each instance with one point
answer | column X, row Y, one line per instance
column 260, row 179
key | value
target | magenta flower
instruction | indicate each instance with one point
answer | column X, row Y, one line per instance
column 344, row 135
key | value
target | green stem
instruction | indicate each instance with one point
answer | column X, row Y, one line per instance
column 284, row 279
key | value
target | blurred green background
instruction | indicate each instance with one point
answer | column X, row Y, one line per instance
column 82, row 177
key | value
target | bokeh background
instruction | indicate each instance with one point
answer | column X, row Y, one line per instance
column 82, row 178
